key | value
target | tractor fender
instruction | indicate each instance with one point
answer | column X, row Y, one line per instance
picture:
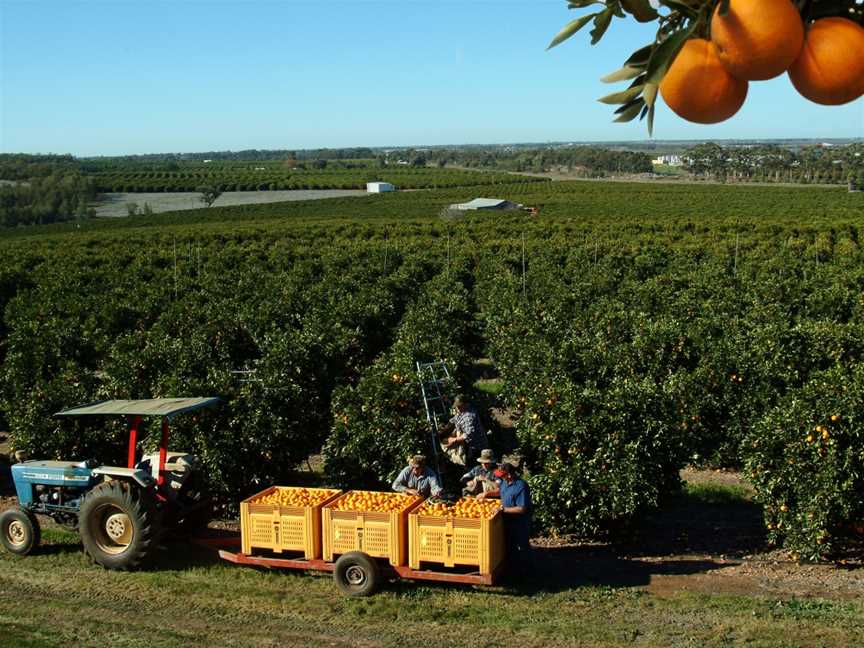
column 140, row 477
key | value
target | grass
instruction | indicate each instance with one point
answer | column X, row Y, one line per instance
column 492, row 387
column 709, row 493
column 56, row 598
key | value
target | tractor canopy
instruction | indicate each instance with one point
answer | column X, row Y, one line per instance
column 156, row 407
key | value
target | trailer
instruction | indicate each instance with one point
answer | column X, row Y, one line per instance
column 356, row 573
column 323, row 530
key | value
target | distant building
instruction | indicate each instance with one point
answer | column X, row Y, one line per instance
column 379, row 187
column 669, row 160
column 486, row 203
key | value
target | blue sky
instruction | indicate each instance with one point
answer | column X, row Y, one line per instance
column 99, row 77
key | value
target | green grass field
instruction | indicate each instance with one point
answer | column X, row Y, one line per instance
column 57, row 598
column 584, row 595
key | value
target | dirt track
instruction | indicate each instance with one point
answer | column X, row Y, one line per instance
column 115, row 204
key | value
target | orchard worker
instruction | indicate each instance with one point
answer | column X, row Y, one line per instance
column 516, row 506
column 481, row 478
column 417, row 479
column 464, row 431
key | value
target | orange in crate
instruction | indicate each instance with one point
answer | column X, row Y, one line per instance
column 467, row 533
column 284, row 518
column 371, row 522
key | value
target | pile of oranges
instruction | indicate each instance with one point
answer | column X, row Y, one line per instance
column 757, row 40
column 467, row 507
column 291, row 496
column 373, row 501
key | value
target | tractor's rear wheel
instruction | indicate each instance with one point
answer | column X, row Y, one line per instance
column 119, row 525
column 19, row 531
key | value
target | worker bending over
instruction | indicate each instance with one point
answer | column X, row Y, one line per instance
column 464, row 437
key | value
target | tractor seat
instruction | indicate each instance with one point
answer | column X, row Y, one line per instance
column 178, row 467
column 174, row 462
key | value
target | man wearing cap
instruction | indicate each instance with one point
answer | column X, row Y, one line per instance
column 516, row 506
column 417, row 479
column 466, row 430
column 481, row 478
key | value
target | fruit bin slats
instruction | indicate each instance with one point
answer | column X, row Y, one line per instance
column 280, row 528
column 378, row 534
column 453, row 541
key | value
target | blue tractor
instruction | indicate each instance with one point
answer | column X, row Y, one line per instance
column 120, row 512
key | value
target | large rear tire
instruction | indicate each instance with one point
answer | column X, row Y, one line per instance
column 19, row 531
column 119, row 525
column 357, row 574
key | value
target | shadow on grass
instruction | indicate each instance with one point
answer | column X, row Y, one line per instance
column 700, row 521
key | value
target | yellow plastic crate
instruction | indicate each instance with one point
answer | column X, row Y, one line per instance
column 378, row 534
column 283, row 528
column 456, row 541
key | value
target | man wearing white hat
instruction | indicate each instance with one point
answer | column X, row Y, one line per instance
column 481, row 478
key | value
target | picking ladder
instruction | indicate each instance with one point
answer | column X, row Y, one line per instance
column 435, row 381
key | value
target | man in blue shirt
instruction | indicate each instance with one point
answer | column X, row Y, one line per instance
column 417, row 479
column 481, row 478
column 516, row 506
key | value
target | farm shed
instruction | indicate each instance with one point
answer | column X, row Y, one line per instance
column 486, row 203
column 379, row 187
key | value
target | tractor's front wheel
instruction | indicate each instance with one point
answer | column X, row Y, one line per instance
column 19, row 531
column 119, row 525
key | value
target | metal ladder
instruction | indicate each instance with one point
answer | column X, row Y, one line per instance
column 435, row 381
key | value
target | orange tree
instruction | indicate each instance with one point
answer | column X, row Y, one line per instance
column 705, row 52
column 98, row 322
column 378, row 421
column 806, row 460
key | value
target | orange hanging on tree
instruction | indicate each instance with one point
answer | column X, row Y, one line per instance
column 830, row 69
column 701, row 44
column 699, row 88
column 757, row 39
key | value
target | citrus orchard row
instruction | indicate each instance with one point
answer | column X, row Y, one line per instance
column 635, row 331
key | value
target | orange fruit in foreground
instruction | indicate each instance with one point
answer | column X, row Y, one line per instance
column 697, row 86
column 758, row 39
column 830, row 69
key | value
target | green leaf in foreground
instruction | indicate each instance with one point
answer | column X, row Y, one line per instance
column 569, row 29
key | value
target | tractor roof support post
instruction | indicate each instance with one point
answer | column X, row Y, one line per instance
column 133, row 441
column 163, row 452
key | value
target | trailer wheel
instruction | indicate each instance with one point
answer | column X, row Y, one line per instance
column 356, row 574
column 119, row 525
column 19, row 531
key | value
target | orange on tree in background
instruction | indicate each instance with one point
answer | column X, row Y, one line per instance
column 699, row 88
column 757, row 39
column 830, row 68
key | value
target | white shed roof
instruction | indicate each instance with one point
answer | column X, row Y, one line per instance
column 480, row 203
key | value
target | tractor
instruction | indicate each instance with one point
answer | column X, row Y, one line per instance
column 120, row 512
